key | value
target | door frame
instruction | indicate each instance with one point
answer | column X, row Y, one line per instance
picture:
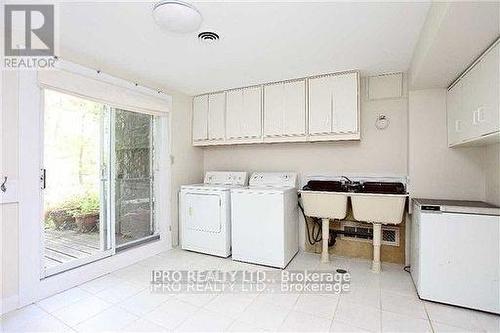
column 31, row 285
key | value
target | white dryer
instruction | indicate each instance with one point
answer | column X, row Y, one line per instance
column 265, row 219
column 205, row 213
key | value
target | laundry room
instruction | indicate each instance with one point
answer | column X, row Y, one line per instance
column 242, row 166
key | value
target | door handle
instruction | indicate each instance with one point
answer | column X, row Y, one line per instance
column 43, row 179
column 3, row 187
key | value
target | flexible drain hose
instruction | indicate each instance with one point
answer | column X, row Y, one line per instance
column 315, row 237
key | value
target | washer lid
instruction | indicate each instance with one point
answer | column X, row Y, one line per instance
column 263, row 190
column 209, row 187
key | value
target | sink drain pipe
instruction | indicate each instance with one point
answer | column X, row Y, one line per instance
column 377, row 241
column 325, row 232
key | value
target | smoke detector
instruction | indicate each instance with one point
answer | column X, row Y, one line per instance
column 177, row 16
column 208, row 37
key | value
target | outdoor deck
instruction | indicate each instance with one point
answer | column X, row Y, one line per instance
column 63, row 246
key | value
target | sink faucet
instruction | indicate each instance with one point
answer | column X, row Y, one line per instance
column 350, row 185
column 347, row 179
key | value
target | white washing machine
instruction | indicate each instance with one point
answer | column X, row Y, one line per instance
column 205, row 213
column 265, row 219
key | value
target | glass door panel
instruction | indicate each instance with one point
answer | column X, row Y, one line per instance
column 133, row 176
column 75, row 182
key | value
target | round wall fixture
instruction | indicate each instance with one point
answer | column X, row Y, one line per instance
column 208, row 37
column 177, row 16
column 382, row 122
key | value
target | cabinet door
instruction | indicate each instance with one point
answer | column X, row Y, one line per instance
column 470, row 100
column 454, row 112
column 345, row 103
column 251, row 118
column 294, row 111
column 200, row 114
column 216, row 116
column 234, row 112
column 487, row 114
column 320, row 105
column 273, row 109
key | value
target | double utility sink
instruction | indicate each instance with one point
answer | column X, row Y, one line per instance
column 372, row 202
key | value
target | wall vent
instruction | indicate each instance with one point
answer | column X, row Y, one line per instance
column 390, row 234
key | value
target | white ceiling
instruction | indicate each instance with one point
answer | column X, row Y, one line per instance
column 260, row 42
column 455, row 35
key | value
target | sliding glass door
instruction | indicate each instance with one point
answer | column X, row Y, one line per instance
column 97, row 180
column 133, row 177
column 75, row 182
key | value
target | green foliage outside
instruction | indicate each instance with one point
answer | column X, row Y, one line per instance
column 62, row 215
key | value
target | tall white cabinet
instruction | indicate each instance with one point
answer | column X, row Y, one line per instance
column 334, row 107
column 473, row 103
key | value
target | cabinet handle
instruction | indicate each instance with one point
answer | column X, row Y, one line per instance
column 475, row 117
column 480, row 114
column 458, row 125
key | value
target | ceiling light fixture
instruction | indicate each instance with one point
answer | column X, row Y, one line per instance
column 177, row 16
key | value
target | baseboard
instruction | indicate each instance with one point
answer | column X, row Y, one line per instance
column 9, row 304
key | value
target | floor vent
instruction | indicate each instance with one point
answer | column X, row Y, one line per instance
column 390, row 234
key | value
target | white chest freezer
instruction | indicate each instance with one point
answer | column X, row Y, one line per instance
column 455, row 257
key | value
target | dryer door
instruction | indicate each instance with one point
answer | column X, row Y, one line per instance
column 203, row 212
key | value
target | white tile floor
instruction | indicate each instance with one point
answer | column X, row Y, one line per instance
column 122, row 301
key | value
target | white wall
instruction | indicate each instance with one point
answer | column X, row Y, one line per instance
column 435, row 170
column 10, row 166
column 381, row 153
column 492, row 174
column 378, row 152
column 187, row 168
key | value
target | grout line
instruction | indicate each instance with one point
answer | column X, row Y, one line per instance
column 53, row 317
column 428, row 317
column 380, row 303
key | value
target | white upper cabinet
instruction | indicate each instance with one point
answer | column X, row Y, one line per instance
column 487, row 115
column 345, row 103
column 200, row 118
column 273, row 110
column 234, row 112
column 312, row 109
column 320, row 105
column 252, row 112
column 244, row 113
column 216, row 116
column 334, row 105
column 454, row 105
column 284, row 110
column 473, row 103
column 294, row 115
